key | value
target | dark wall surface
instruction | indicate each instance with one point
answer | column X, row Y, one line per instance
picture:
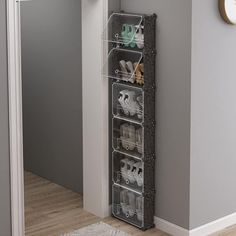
column 5, row 219
column 52, row 90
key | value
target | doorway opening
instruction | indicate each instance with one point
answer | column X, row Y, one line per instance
column 95, row 186
column 51, row 59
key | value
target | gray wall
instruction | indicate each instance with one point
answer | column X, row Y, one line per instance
column 173, row 105
column 5, row 227
column 52, row 90
column 114, row 5
column 213, row 115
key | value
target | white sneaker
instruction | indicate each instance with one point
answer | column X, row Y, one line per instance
column 132, row 203
column 121, row 99
column 124, row 201
column 130, row 102
column 131, row 140
column 139, row 175
column 130, row 175
column 135, row 170
column 123, row 70
column 139, row 38
column 124, row 130
column 140, row 107
column 139, row 140
column 139, row 208
column 127, row 133
column 123, row 169
column 130, row 69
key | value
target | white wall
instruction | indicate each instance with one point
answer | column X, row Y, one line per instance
column 213, row 115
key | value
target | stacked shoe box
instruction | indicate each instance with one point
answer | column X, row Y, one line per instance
column 131, row 66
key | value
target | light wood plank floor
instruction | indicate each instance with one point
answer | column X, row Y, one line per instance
column 231, row 231
column 51, row 210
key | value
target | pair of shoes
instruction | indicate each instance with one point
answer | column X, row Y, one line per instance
column 127, row 136
column 131, row 204
column 132, row 72
column 128, row 35
column 131, row 138
column 139, row 73
column 133, row 36
column 126, row 170
column 127, row 71
column 132, row 171
column 129, row 103
column 127, row 202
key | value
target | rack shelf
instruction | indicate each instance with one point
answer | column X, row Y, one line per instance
column 122, row 64
column 128, row 102
column 122, row 28
column 130, row 66
column 128, row 171
column 128, row 137
column 128, row 205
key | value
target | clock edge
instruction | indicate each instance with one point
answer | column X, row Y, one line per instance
column 223, row 12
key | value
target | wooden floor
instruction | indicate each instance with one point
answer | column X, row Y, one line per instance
column 231, row 231
column 51, row 210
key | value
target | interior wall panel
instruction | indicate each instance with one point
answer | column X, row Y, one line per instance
column 52, row 90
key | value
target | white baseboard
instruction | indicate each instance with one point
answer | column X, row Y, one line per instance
column 204, row 230
column 170, row 228
column 214, row 226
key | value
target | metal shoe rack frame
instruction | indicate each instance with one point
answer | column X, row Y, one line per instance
column 148, row 122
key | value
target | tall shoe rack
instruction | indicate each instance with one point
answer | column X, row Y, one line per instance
column 131, row 39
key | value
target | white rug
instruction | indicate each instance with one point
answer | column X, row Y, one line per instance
column 99, row 229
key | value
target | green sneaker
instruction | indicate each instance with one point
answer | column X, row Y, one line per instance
column 131, row 36
column 125, row 34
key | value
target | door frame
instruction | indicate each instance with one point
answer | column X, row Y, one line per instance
column 96, row 184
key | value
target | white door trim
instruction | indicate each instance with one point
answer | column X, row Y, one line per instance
column 15, row 118
column 95, row 109
column 95, row 199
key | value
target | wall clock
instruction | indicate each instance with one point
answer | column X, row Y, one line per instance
column 228, row 10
